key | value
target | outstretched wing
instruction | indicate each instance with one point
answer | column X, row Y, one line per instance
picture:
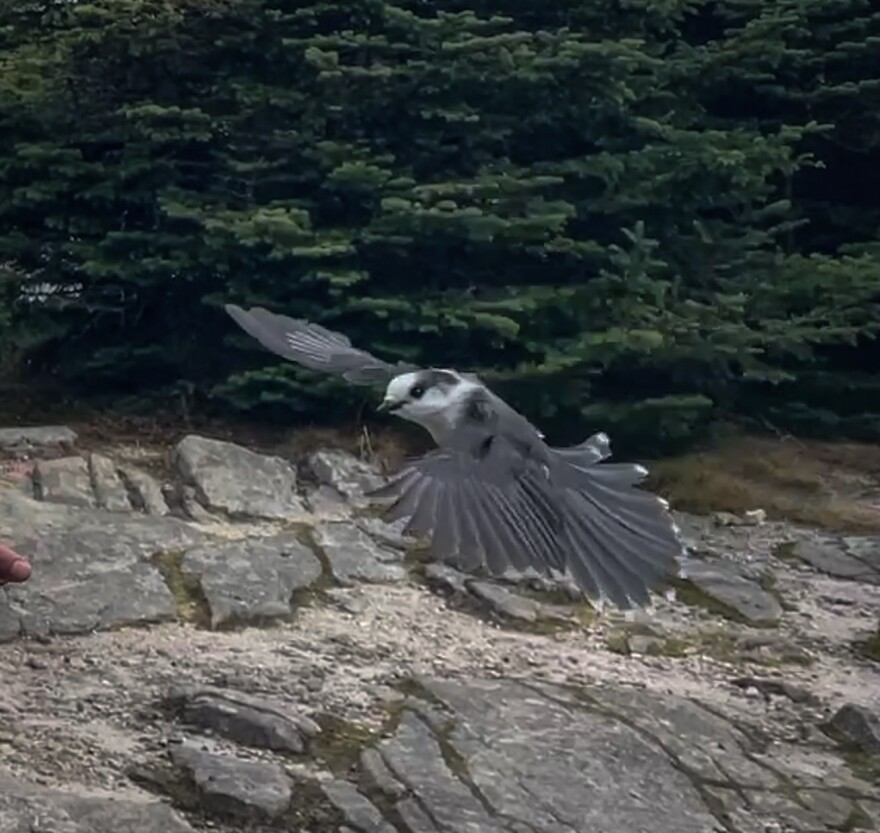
column 494, row 496
column 476, row 513
column 620, row 541
column 314, row 346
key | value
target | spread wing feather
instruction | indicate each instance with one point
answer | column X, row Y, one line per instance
column 494, row 496
column 314, row 346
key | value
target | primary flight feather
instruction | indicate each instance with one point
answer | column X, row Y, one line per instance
column 493, row 494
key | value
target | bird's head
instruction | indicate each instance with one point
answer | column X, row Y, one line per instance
column 422, row 396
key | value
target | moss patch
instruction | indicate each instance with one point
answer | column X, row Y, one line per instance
column 193, row 607
column 558, row 610
column 315, row 592
column 310, row 810
column 870, row 648
column 340, row 742
column 618, row 642
column 442, row 731
column 722, row 646
column 455, row 762
column 620, row 639
column 417, row 556
column 769, row 583
column 550, row 621
column 688, row 593
column 190, row 601
column 413, row 687
column 718, row 645
column 858, row 819
column 674, row 647
column 789, row 658
column 863, row 765
column 785, row 551
column 174, row 782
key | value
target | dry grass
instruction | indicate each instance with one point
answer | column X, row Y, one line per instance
column 385, row 447
column 148, row 445
column 830, row 485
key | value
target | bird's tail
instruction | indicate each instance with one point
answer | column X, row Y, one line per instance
column 620, row 540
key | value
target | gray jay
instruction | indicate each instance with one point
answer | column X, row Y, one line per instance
column 493, row 495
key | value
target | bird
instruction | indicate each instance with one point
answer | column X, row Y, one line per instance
column 493, row 495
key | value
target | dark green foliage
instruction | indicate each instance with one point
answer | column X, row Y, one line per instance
column 641, row 214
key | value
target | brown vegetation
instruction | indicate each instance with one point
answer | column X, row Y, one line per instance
column 824, row 484
column 832, row 485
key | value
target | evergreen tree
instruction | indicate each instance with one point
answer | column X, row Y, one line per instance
column 815, row 64
column 618, row 208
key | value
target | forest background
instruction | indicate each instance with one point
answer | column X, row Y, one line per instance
column 650, row 218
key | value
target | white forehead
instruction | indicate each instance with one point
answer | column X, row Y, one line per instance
column 398, row 387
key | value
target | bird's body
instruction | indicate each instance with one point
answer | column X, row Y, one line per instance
column 493, row 494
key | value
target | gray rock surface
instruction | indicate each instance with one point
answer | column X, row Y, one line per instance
column 27, row 807
column 511, row 605
column 857, row 726
column 384, row 707
column 777, row 688
column 355, row 808
column 37, row 438
column 253, row 579
column 326, row 503
column 65, row 480
column 192, row 508
column 867, row 550
column 852, row 558
column 92, row 569
column 144, row 491
column 252, row 721
column 238, row 482
column 505, row 603
column 543, row 759
column 447, row 580
column 232, row 785
column 110, row 491
column 501, row 601
column 345, row 474
column 744, row 597
column 354, row 556
column 389, row 534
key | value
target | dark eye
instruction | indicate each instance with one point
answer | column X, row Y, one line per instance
column 416, row 391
